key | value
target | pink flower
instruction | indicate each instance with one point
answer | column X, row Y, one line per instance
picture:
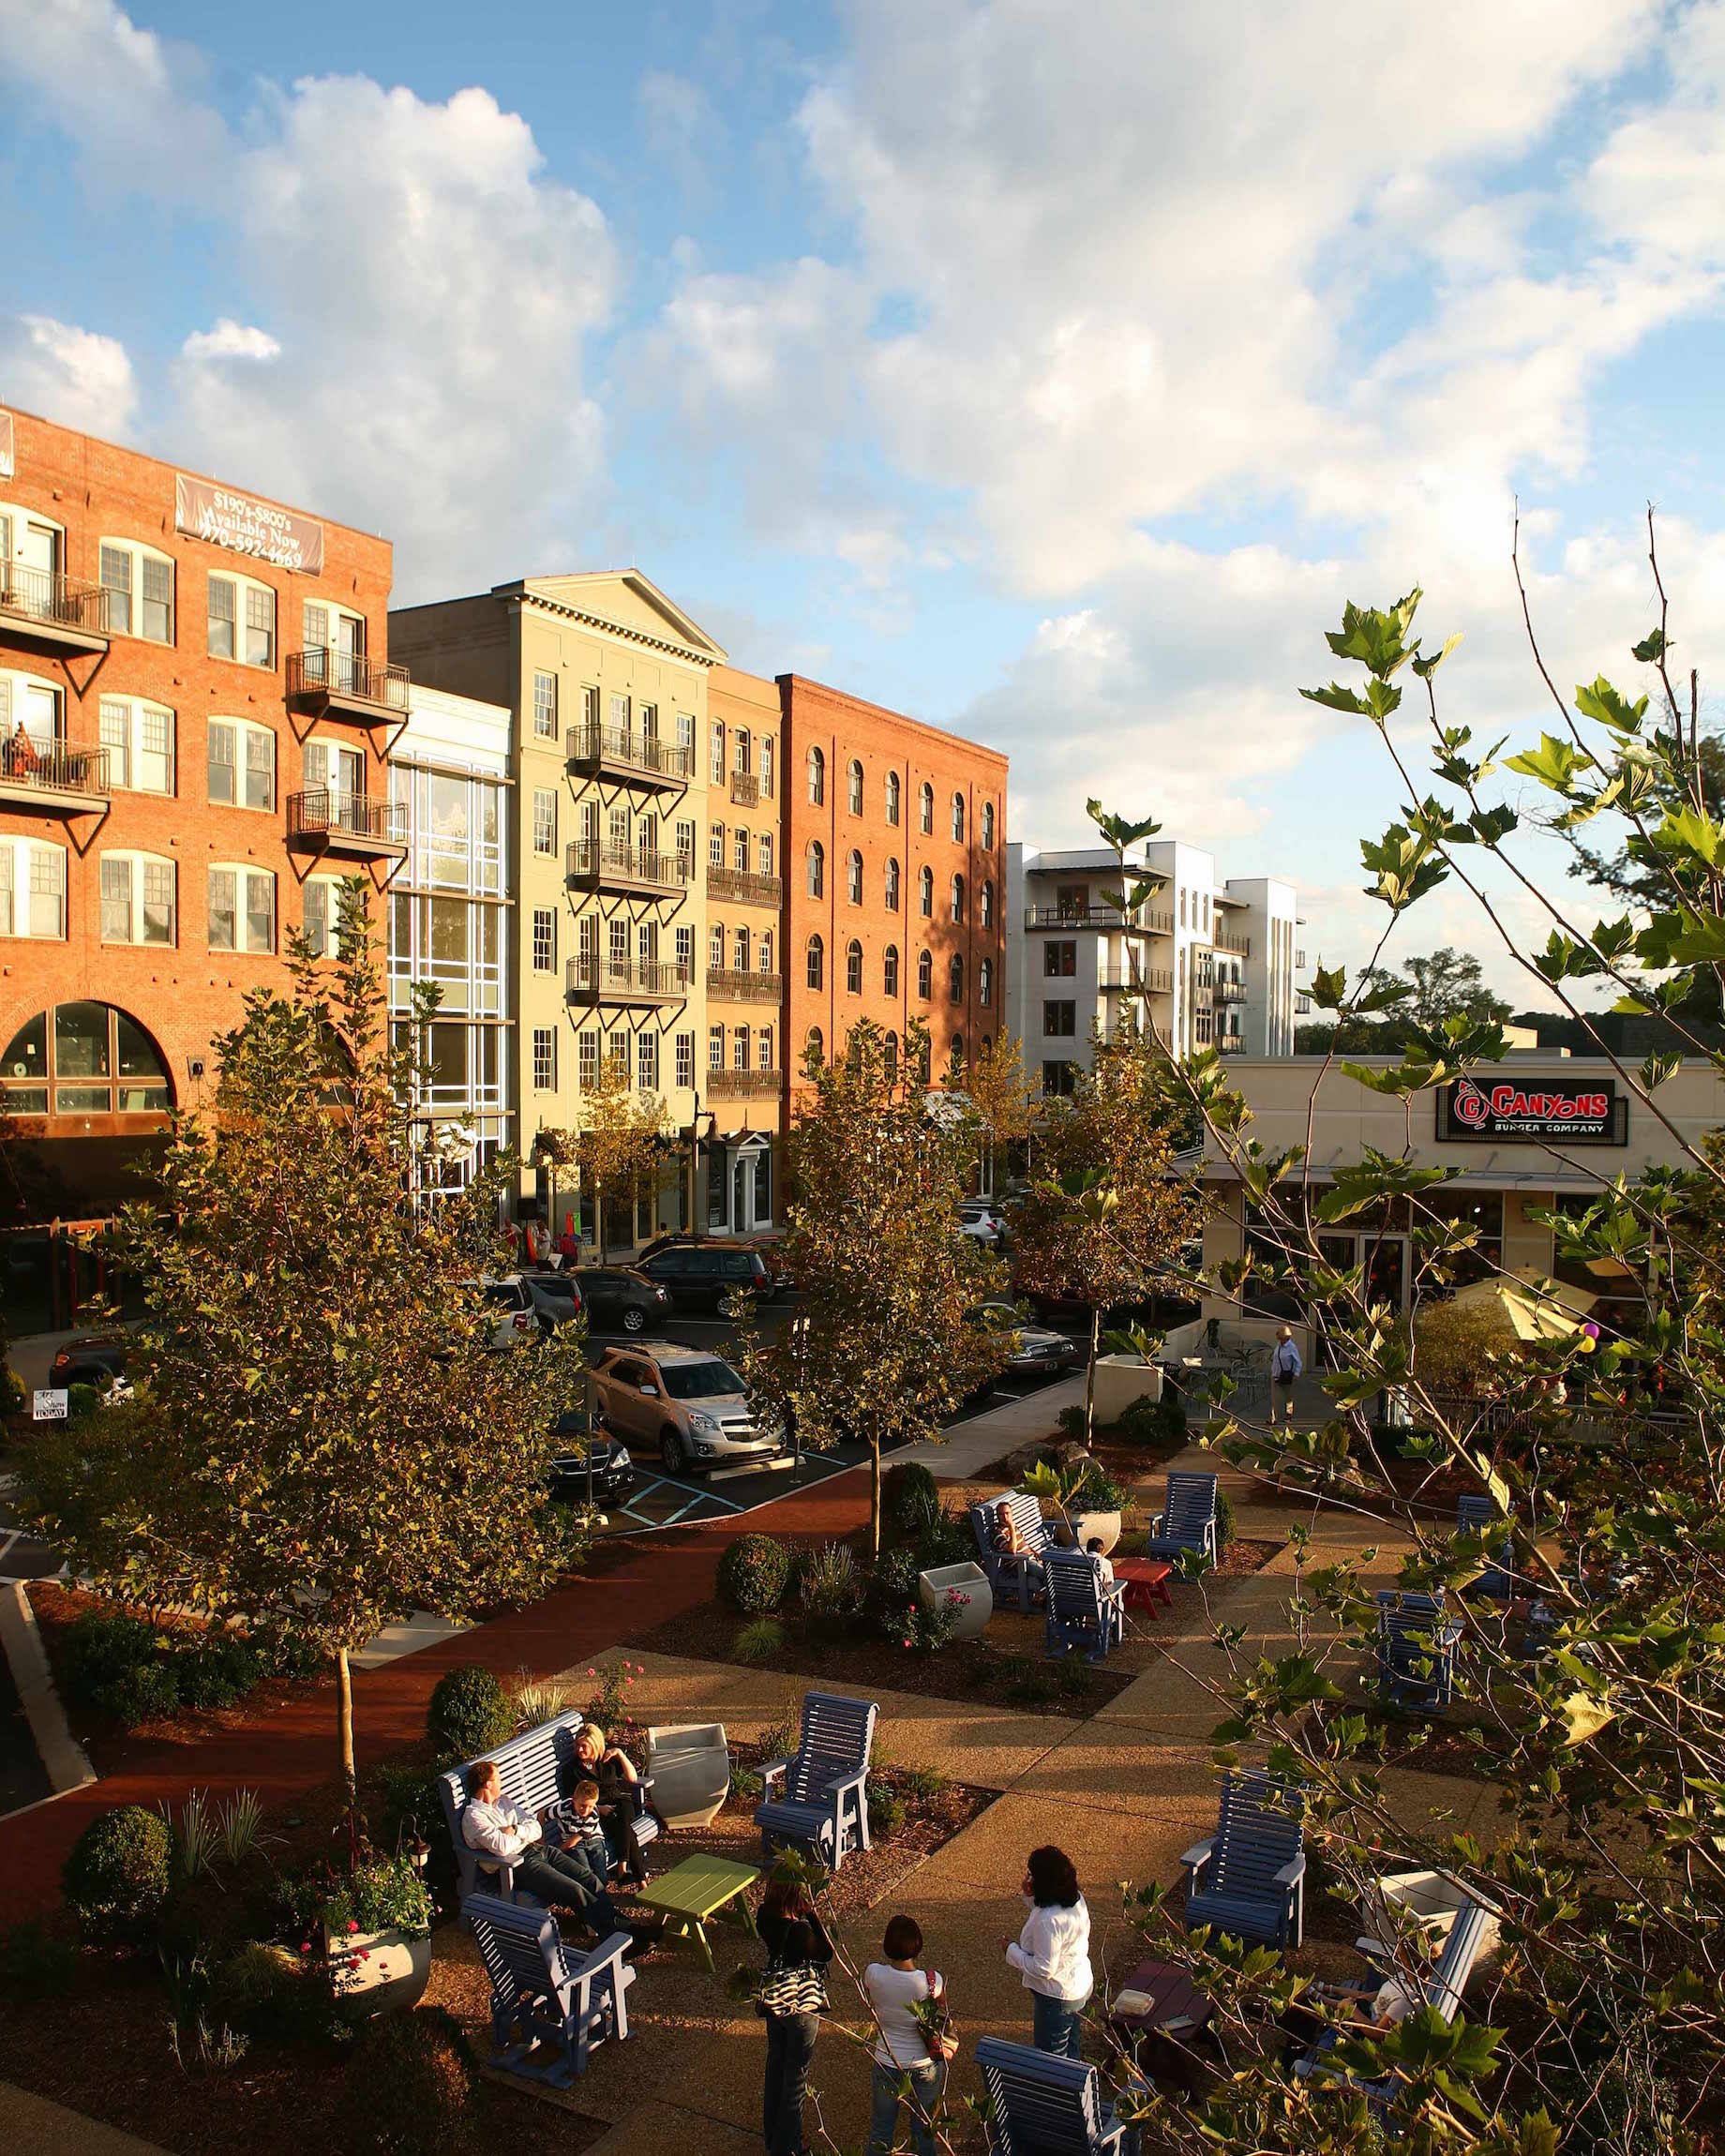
column 304, row 1946
column 353, row 1923
column 592, row 1672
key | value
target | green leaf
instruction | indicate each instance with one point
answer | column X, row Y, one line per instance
column 1336, row 698
column 1602, row 702
column 1554, row 763
column 1425, row 669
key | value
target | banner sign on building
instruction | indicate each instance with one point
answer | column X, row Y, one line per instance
column 8, row 450
column 244, row 525
column 1506, row 1109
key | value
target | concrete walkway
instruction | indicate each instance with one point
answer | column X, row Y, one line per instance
column 48, row 2129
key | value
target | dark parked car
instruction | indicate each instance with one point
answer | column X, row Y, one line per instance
column 1041, row 1350
column 574, row 1437
column 620, row 1300
column 768, row 1248
column 700, row 1275
column 92, row 1358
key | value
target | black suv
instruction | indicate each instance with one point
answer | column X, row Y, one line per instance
column 618, row 1299
column 574, row 1437
column 698, row 1276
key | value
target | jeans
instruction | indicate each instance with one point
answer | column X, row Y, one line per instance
column 926, row 2083
column 565, row 1879
column 791, row 2047
column 1055, row 2024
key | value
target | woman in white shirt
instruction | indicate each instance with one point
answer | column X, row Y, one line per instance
column 1052, row 1952
column 896, row 1987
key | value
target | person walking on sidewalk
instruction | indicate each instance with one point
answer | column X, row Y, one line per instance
column 1052, row 1952
column 1285, row 1367
column 793, row 1997
column 914, row 2046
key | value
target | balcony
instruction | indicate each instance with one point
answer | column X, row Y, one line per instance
column 734, row 984
column 743, row 884
column 324, row 683
column 1228, row 991
column 1146, row 980
column 1237, row 946
column 53, row 779
column 626, row 754
column 605, row 866
column 361, row 827
column 1231, row 1045
column 745, row 1085
column 745, row 789
column 62, row 613
column 1158, row 923
column 616, row 980
column 1103, row 917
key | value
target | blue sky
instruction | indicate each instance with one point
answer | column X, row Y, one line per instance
column 1054, row 375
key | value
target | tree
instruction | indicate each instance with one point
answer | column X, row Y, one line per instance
column 1107, row 1211
column 618, row 1143
column 882, row 1349
column 324, row 1439
column 1448, row 984
column 1005, row 1103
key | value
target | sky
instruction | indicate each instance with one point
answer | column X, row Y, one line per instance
column 1055, row 374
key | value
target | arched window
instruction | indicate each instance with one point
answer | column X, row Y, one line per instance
column 742, row 951
column 928, row 808
column 817, row 963
column 84, row 1059
column 814, row 1048
column 891, row 797
column 989, row 829
column 985, row 982
column 888, row 970
column 926, row 888
column 816, row 869
column 853, row 877
column 893, row 886
column 988, row 905
column 958, row 820
column 925, row 974
column 959, row 1048
column 924, row 1056
column 854, row 787
column 854, row 968
column 955, row 980
column 985, row 1046
column 889, row 1045
column 715, row 946
column 817, row 778
column 958, row 898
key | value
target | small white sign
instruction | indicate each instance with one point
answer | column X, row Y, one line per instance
column 50, row 1405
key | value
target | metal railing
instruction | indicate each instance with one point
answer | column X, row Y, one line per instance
column 627, row 864
column 1148, row 981
column 1102, row 916
column 620, row 980
column 1299, row 961
column 57, row 602
column 1158, row 923
column 323, row 811
column 590, row 743
column 1228, row 991
column 745, row 884
column 1239, row 946
column 743, row 1085
column 53, row 767
column 321, row 671
column 1231, row 1045
column 744, row 789
column 737, row 985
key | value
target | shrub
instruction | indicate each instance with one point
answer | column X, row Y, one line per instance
column 761, row 1639
column 1071, row 1421
column 1096, row 1493
column 894, row 1581
column 82, row 1402
column 1029, row 1683
column 539, row 1700
column 831, row 1583
column 103, row 1651
column 911, row 1497
column 385, row 1894
column 1072, row 1678
column 217, row 1672
column 612, row 1709
column 265, row 1990
column 754, row 1574
column 946, row 1539
column 37, row 1963
column 922, row 1783
column 115, row 1881
column 926, row 1631
column 469, row 1715
column 411, row 2085
column 1224, row 1521
column 401, row 1804
column 12, row 1393
column 886, row 1810
column 285, row 1651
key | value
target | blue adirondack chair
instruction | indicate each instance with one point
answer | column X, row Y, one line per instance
column 1476, row 1515
column 824, row 1808
column 542, row 1995
column 1187, row 1519
column 1037, row 2102
column 1442, row 1985
column 1083, row 1612
column 1249, row 1879
column 1022, row 1573
column 1416, row 1648
column 534, row 1770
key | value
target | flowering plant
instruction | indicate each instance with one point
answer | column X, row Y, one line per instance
column 609, row 1706
column 380, row 1893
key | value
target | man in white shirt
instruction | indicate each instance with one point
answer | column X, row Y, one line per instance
column 561, row 1878
column 1285, row 1367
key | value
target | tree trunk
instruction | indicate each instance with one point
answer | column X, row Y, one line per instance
column 599, row 1218
column 1089, row 1376
column 874, row 1499
column 344, row 1731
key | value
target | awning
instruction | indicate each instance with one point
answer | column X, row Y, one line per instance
column 1537, row 1308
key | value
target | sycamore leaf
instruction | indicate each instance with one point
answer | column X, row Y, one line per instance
column 1602, row 702
column 1425, row 669
column 1583, row 1718
column 1650, row 649
column 1554, row 763
column 1338, row 699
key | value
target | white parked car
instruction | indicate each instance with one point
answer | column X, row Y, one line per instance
column 512, row 1311
column 982, row 1219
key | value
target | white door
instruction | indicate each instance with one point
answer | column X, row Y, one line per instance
column 742, row 1194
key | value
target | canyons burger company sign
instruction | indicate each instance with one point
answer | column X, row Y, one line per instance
column 246, row 525
column 1504, row 1109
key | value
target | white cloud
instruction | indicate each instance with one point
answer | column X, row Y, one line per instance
column 232, row 340
column 73, row 376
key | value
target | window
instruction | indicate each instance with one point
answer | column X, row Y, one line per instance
column 925, row 976
column 955, row 980
column 715, row 753
column 647, row 1063
column 1182, row 909
column 587, row 1059
column 958, row 820
column 715, row 1048
column 740, row 851
column 685, row 955
column 925, row 892
column 715, row 946
column 1060, row 1020
column 984, row 1046
column 744, row 751
column 958, row 898
column 139, row 587
column 619, row 712
column 766, row 951
column 928, row 809
column 891, row 797
column 138, row 899
column 544, row 707
column 816, row 869
column 544, row 821
column 889, row 1045
column 742, row 951
column 814, row 1048
column 853, row 877
column 958, row 1047
column 988, row 905
column 545, row 1059
column 715, row 845
column 34, row 705
column 854, row 968
column 138, row 739
column 32, row 888
column 985, row 982
column 650, row 725
column 817, row 778
column 242, row 621
column 684, row 1060
column 1060, row 960
column 893, row 886
column 617, row 934
column 988, row 839
column 763, row 853
column 740, row 1049
column 854, row 786
column 766, row 765
column 242, row 764
column 103, row 1063
column 242, row 909
column 1058, row 1078
column 686, row 850
column 816, row 970
column 545, row 940
column 619, row 1058
column 322, row 917
column 888, row 970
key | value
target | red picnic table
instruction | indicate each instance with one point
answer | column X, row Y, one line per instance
column 1147, row 1584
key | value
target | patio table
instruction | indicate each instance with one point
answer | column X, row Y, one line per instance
column 1176, row 2011
column 1147, row 1583
column 696, row 1891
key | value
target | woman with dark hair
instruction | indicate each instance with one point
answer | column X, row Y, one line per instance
column 793, row 1996
column 1052, row 1954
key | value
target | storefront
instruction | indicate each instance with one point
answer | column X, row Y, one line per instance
column 740, row 1183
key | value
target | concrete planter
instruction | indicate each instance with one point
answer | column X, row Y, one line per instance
column 1120, row 1379
column 381, row 1971
column 940, row 1585
column 1433, row 1899
column 1104, row 1527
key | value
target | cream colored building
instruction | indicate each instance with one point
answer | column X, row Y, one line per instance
column 608, row 683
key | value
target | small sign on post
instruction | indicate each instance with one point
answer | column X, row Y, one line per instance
column 50, row 1405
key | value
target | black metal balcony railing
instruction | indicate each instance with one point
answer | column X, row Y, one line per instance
column 614, row 980
column 746, row 884
column 744, row 1084
column 737, row 985
column 54, row 602
column 1148, row 981
column 1098, row 916
column 322, row 673
column 590, row 743
column 325, row 813
column 744, row 789
column 51, row 767
column 607, row 863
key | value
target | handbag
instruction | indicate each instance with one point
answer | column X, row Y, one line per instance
column 800, row 1988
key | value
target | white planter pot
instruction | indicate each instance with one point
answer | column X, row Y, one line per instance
column 1433, row 1899
column 1104, row 1527
column 1120, row 1379
column 381, row 1971
column 940, row 1585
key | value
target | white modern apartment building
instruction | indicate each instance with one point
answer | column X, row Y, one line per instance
column 1213, row 962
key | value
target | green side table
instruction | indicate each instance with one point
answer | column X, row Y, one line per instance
column 697, row 1889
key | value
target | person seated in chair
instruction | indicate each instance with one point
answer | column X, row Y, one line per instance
column 1006, row 1540
column 613, row 1769
column 561, row 1878
column 1098, row 1556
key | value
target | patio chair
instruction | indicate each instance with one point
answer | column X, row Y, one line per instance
column 543, row 1996
column 1022, row 1572
column 689, row 1764
column 1442, row 1985
column 1187, row 1520
column 1476, row 1515
column 1037, row 2102
column 1083, row 1612
column 824, row 1808
column 1416, row 1648
column 1249, row 1879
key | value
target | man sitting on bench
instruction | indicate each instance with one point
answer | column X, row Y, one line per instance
column 561, row 1878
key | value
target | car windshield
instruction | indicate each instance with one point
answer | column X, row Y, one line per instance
column 700, row 1380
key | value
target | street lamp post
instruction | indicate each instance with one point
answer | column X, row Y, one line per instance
column 799, row 1353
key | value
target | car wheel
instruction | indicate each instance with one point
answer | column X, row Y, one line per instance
column 670, row 1451
column 633, row 1320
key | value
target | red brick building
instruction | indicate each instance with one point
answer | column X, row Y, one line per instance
column 194, row 707
column 895, row 868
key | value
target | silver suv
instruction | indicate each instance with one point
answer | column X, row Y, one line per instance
column 688, row 1404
